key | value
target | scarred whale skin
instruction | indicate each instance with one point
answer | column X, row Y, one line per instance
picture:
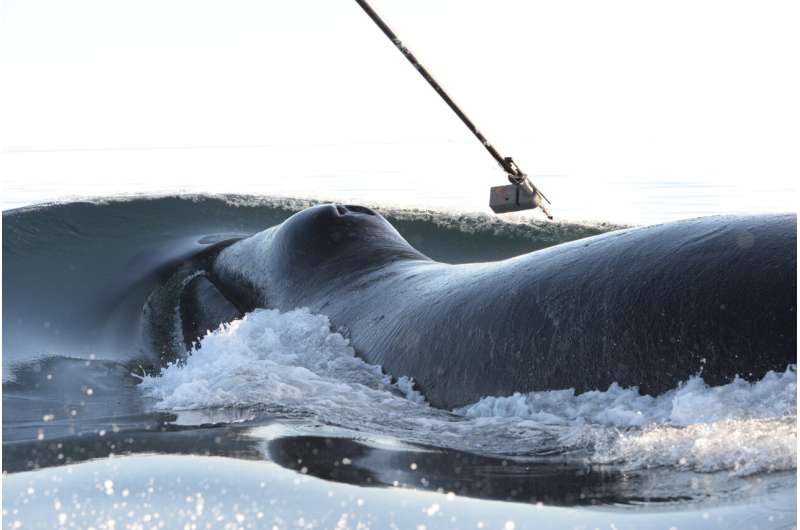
column 646, row 307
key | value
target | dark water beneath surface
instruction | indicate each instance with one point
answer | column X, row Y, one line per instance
column 266, row 425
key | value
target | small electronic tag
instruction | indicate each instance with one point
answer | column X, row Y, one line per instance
column 515, row 198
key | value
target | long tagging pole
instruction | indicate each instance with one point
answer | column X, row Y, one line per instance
column 521, row 194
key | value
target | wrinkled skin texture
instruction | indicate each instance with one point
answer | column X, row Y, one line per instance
column 646, row 307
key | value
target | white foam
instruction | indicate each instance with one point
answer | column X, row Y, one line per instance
column 692, row 402
column 740, row 427
column 293, row 361
column 268, row 357
column 741, row 446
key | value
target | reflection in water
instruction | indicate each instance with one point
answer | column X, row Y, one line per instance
column 547, row 481
column 347, row 461
column 158, row 437
column 465, row 474
column 399, row 465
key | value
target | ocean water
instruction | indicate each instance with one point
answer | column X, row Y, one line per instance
column 450, row 176
column 275, row 421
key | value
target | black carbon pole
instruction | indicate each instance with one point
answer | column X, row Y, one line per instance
column 515, row 174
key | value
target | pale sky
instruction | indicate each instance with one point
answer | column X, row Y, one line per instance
column 308, row 97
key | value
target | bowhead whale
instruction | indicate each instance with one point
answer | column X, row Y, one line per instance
column 646, row 307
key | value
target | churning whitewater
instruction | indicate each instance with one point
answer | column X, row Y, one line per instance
column 294, row 361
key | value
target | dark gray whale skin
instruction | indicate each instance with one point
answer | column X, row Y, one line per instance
column 646, row 307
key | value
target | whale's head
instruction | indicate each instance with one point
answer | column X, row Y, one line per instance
column 312, row 247
column 339, row 237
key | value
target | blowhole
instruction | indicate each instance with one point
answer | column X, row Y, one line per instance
column 359, row 209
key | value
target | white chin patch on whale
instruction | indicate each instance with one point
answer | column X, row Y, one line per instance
column 277, row 361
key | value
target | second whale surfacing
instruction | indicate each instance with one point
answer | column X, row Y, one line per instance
column 647, row 307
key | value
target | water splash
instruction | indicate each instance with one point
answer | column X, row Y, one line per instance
column 293, row 360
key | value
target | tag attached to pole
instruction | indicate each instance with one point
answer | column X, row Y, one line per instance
column 517, row 197
column 520, row 194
